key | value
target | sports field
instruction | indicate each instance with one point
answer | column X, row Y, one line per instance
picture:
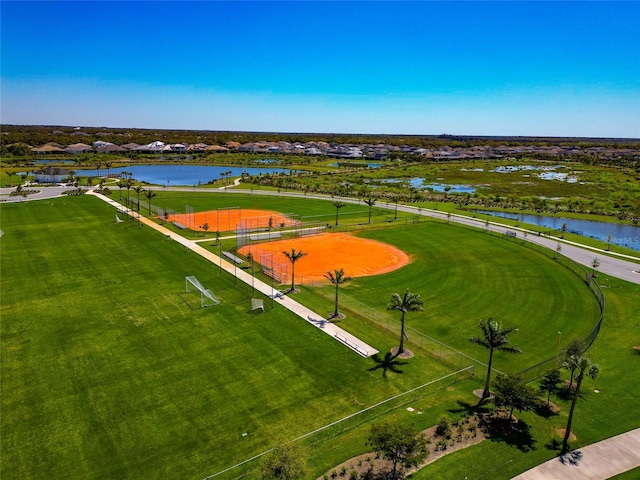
column 108, row 373
column 226, row 219
column 359, row 257
column 102, row 359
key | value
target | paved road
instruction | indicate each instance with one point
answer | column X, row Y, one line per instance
column 597, row 461
column 43, row 193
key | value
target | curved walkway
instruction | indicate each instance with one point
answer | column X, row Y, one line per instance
column 597, row 461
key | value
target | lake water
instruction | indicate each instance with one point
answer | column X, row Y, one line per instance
column 182, row 174
column 623, row 235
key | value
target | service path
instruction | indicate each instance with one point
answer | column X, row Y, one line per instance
column 597, row 461
column 303, row 312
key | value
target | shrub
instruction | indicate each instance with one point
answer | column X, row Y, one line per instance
column 443, row 428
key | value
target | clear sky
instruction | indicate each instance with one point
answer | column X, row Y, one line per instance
column 477, row 68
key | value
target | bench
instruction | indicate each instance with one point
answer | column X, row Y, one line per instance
column 352, row 346
column 510, row 233
column 179, row 225
column 232, row 257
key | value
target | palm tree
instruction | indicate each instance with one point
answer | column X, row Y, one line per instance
column 293, row 257
column 149, row 194
column 121, row 185
column 573, row 351
column 337, row 278
column 409, row 302
column 585, row 367
column 370, row 201
column 338, row 204
column 494, row 338
column 138, row 189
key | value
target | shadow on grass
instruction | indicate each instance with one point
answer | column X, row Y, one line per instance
column 389, row 363
column 517, row 434
column 472, row 408
column 545, row 411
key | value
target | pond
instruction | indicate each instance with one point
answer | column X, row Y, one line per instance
column 182, row 174
column 618, row 234
column 441, row 187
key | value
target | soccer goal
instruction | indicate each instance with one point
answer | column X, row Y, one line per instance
column 207, row 299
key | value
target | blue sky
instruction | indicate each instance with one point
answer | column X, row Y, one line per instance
column 478, row 68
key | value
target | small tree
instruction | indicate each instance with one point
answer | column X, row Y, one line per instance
column 494, row 338
column 138, row 189
column 400, row 444
column 549, row 382
column 285, row 462
column 584, row 367
column 337, row 278
column 595, row 264
column 149, row 194
column 293, row 257
column 558, row 250
column 511, row 393
column 338, row 206
column 370, row 201
column 409, row 302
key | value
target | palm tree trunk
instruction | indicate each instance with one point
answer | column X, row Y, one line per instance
column 335, row 313
column 401, row 347
column 293, row 276
column 565, row 440
column 486, row 393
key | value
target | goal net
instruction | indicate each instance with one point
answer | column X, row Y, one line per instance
column 207, row 298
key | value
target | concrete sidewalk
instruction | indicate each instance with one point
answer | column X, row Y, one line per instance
column 303, row 312
column 597, row 461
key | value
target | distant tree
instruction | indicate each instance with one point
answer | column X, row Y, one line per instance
column 403, row 446
column 338, row 206
column 337, row 278
column 370, row 201
column 149, row 194
column 595, row 264
column 549, row 382
column 408, row 302
column 19, row 149
column 584, row 367
column 285, row 462
column 494, row 338
column 293, row 257
column 138, row 189
column 558, row 250
column 121, row 185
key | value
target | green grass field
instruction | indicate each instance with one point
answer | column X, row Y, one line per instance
column 108, row 373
